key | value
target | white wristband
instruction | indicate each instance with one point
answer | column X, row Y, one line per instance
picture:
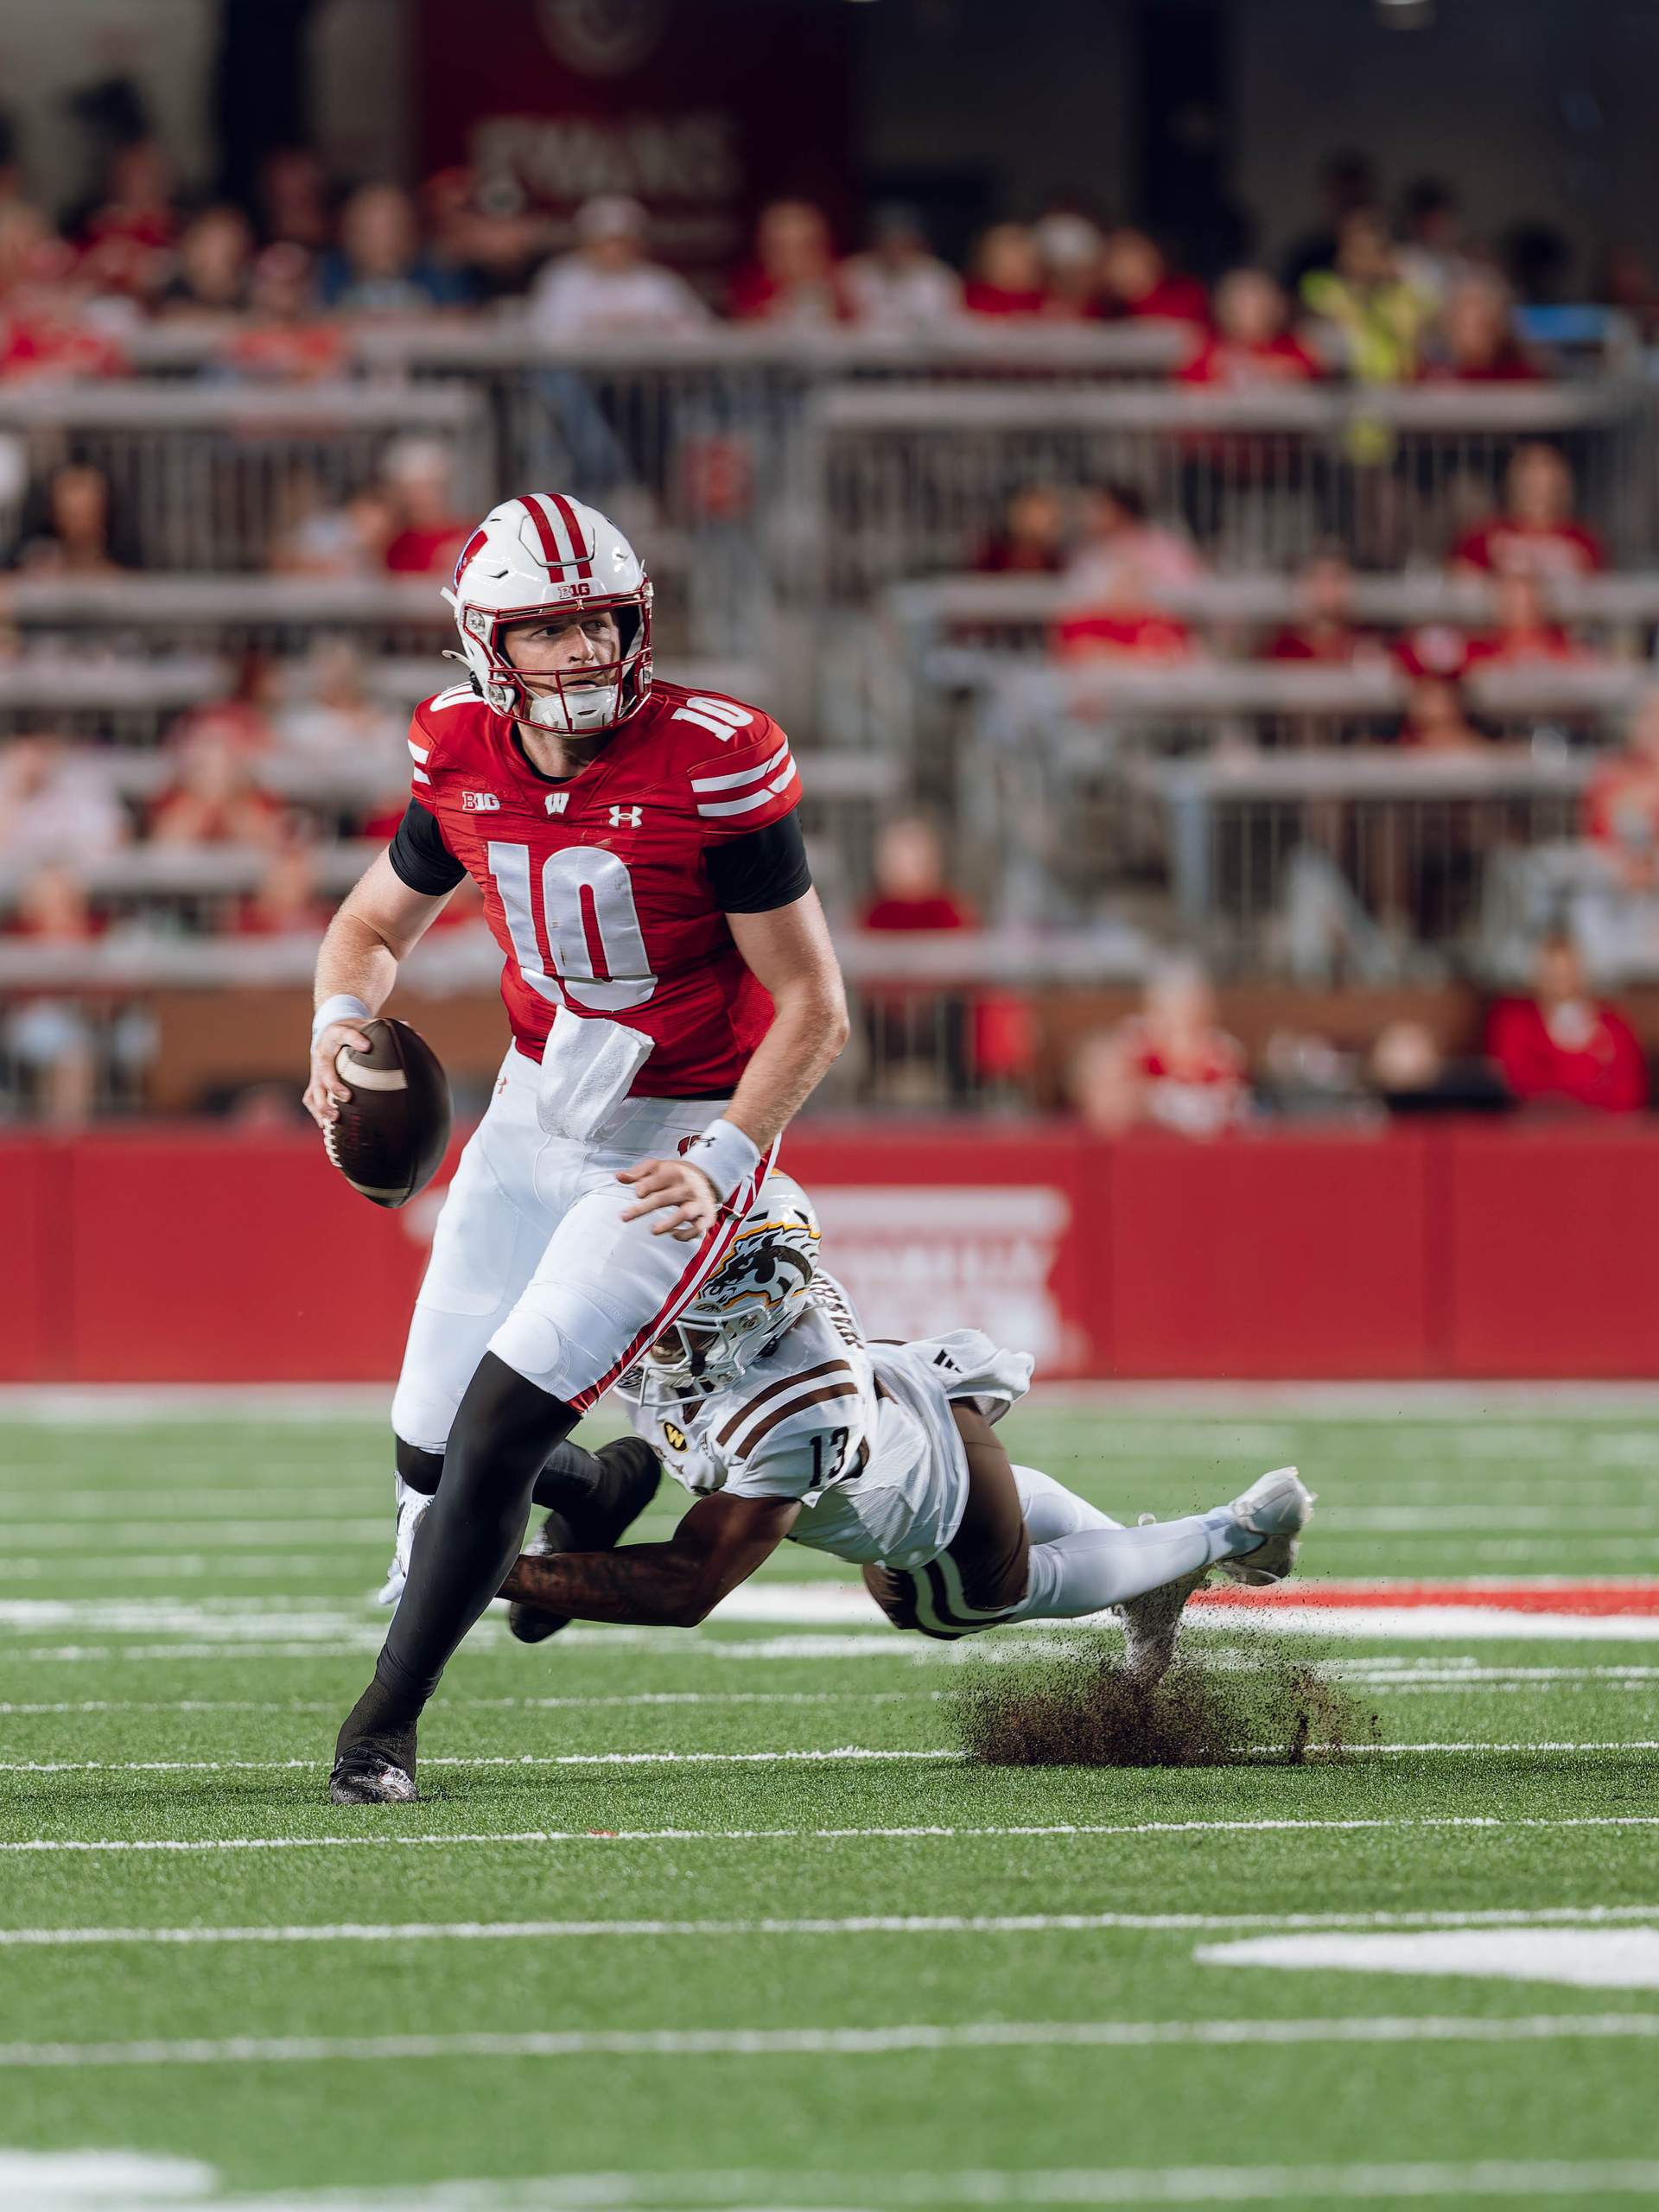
column 341, row 1007
column 726, row 1156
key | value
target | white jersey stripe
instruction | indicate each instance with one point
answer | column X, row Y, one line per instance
column 742, row 775
column 421, row 752
column 755, row 800
column 457, row 695
column 420, row 775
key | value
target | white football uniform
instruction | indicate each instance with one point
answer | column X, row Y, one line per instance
column 862, row 1433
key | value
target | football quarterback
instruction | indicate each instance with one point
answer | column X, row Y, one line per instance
column 765, row 1400
column 672, row 996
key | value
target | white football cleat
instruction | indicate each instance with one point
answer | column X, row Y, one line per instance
column 1277, row 1507
column 411, row 1504
column 1152, row 1623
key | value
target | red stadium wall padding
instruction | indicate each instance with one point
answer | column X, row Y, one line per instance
column 34, row 1229
column 227, row 1258
column 174, row 1255
column 1302, row 1256
column 1553, row 1252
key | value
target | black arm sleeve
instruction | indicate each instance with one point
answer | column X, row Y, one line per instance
column 766, row 868
column 419, row 855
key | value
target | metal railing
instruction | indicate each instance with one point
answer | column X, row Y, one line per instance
column 908, row 479
column 1075, row 791
column 207, row 476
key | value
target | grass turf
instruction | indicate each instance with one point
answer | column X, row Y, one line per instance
column 183, row 1612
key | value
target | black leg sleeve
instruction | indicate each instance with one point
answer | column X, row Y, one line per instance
column 419, row 1470
column 470, row 1534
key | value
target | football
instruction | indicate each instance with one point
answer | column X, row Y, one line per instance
column 393, row 1131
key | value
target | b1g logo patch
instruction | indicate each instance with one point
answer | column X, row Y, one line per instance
column 479, row 803
column 676, row 1436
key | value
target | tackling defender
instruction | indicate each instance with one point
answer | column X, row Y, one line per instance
column 764, row 1399
column 673, row 999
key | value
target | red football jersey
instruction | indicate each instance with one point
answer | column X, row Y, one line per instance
column 595, row 888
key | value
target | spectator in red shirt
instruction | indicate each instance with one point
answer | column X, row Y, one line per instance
column 1477, row 340
column 1008, row 278
column 794, row 278
column 1120, row 541
column 1032, row 540
column 1525, row 630
column 1252, row 344
column 1124, row 624
column 910, row 889
column 1536, row 530
column 428, row 535
column 1323, row 629
column 284, row 336
column 1171, row 1066
column 1140, row 283
column 1562, row 1046
column 127, row 242
column 920, row 1038
column 1621, row 807
column 214, row 798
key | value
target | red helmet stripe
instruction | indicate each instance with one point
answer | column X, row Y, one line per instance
column 578, row 543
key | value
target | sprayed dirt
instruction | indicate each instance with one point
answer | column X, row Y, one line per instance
column 1080, row 1709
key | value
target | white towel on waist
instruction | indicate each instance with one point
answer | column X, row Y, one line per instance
column 586, row 1071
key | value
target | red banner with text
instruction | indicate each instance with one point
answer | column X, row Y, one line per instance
column 702, row 109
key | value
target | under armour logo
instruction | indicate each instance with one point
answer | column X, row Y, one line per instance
column 626, row 817
column 557, row 801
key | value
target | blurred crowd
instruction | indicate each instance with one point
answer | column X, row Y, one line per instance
column 1556, row 1048
column 303, row 753
column 1375, row 292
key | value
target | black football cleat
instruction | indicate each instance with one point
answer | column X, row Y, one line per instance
column 367, row 1774
column 590, row 1517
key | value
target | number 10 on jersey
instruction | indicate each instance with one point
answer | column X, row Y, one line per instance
column 591, row 924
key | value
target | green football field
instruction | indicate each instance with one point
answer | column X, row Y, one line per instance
column 727, row 1918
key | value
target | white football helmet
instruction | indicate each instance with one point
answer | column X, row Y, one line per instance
column 752, row 1297
column 541, row 554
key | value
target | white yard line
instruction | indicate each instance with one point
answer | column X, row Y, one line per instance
column 1518, row 2180
column 391, row 1839
column 1027, row 1923
column 297, row 1706
column 85, row 2177
column 42, row 1500
column 828, row 1756
column 43, row 1538
column 188, row 1566
column 838, row 2042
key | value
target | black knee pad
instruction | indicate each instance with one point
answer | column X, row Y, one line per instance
column 419, row 1470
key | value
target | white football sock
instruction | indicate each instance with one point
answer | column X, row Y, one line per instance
column 1083, row 1562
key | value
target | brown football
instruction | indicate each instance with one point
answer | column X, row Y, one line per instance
column 393, row 1131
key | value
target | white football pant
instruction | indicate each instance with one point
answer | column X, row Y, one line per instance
column 532, row 1260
